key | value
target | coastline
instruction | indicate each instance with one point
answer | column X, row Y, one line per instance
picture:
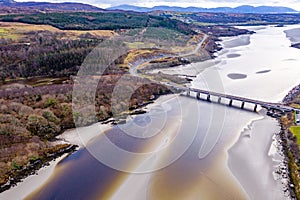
column 31, row 183
column 82, row 135
column 288, row 145
column 260, row 149
column 77, row 136
column 277, row 151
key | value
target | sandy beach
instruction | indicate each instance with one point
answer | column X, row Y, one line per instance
column 238, row 41
column 293, row 35
column 249, row 155
column 82, row 135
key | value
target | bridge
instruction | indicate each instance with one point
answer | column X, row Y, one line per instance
column 272, row 107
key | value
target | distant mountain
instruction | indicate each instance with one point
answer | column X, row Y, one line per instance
column 44, row 6
column 240, row 9
column 6, row 2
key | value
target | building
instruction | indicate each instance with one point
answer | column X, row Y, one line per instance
column 297, row 117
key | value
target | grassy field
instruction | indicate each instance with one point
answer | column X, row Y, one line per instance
column 17, row 31
column 139, row 45
column 162, row 38
column 296, row 132
column 294, row 105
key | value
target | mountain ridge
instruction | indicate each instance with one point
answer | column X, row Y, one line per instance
column 239, row 9
column 72, row 6
column 65, row 6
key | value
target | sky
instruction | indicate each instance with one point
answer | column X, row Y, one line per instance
column 295, row 4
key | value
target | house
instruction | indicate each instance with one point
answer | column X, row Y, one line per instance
column 297, row 117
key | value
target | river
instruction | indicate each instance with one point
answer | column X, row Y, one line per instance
column 188, row 149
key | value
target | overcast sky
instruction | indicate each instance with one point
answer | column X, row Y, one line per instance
column 295, row 4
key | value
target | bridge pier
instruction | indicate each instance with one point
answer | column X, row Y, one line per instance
column 188, row 93
column 208, row 98
column 198, row 95
column 243, row 105
column 275, row 107
column 255, row 108
column 230, row 102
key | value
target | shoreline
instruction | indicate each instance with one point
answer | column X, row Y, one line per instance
column 278, row 151
column 32, row 182
column 262, row 156
column 287, row 143
column 68, row 136
column 283, row 170
column 24, row 188
column 77, row 136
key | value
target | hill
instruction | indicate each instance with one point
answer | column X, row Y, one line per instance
column 98, row 20
column 240, row 9
column 46, row 6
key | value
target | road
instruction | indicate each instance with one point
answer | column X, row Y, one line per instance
column 133, row 66
column 196, row 50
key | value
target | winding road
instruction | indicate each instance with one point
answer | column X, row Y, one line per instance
column 133, row 66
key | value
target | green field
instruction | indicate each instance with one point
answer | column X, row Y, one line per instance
column 296, row 132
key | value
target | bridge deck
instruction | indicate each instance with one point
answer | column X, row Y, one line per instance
column 268, row 105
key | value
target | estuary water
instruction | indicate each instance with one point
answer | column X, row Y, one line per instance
column 189, row 149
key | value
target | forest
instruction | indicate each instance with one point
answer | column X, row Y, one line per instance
column 98, row 21
column 45, row 54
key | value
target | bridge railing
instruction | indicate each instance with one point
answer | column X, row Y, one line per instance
column 243, row 100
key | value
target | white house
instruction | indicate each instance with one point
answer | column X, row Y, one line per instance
column 297, row 117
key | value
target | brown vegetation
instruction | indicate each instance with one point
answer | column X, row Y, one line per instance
column 290, row 141
column 37, row 97
column 32, row 116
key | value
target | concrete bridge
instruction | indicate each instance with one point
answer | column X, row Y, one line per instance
column 207, row 95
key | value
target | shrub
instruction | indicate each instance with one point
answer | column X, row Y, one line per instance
column 25, row 110
column 39, row 126
column 15, row 165
column 50, row 116
column 50, row 102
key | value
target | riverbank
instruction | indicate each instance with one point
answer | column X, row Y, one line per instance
column 54, row 111
column 289, row 142
column 31, row 183
column 20, row 172
column 80, row 137
column 294, row 37
column 77, row 138
column 256, row 143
